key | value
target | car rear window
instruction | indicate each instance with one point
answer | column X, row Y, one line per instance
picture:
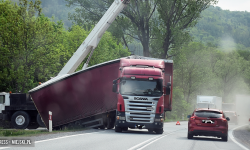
column 208, row 114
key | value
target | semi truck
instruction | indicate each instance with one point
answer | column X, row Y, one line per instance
column 19, row 110
column 129, row 92
column 214, row 102
column 242, row 104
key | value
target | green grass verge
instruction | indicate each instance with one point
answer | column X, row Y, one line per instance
column 28, row 133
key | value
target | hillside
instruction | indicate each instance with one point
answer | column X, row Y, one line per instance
column 220, row 27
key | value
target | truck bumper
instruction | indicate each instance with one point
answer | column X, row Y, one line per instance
column 133, row 125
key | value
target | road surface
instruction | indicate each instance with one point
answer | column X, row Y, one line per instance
column 173, row 138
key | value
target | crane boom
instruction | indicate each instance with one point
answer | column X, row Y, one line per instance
column 92, row 40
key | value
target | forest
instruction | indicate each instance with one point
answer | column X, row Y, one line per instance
column 211, row 52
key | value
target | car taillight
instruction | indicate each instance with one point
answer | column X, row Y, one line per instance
column 192, row 118
column 249, row 119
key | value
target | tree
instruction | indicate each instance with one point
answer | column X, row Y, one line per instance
column 176, row 18
column 135, row 20
column 28, row 43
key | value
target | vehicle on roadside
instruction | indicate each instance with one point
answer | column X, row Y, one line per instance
column 212, row 102
column 208, row 122
column 232, row 115
column 19, row 109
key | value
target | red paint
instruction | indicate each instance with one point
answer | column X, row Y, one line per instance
column 120, row 103
column 160, row 106
column 50, row 117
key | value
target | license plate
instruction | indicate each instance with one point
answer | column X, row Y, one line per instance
column 208, row 121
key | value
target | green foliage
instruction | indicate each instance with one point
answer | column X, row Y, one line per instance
column 34, row 48
column 216, row 25
column 176, row 17
column 27, row 46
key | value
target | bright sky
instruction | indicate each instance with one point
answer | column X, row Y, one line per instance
column 234, row 5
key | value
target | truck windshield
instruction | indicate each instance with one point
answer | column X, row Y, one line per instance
column 141, row 87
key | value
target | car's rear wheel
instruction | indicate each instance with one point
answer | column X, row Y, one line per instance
column 224, row 138
column 189, row 136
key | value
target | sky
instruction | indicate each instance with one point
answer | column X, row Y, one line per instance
column 234, row 5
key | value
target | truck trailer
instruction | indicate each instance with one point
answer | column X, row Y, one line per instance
column 213, row 102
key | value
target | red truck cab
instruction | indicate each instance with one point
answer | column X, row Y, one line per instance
column 144, row 93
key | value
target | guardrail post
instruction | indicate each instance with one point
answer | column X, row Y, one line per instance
column 50, row 121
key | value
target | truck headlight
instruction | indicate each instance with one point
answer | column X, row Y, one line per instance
column 120, row 118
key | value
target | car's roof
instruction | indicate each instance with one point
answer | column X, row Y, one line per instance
column 206, row 109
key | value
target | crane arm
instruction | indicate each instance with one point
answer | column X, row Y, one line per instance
column 92, row 40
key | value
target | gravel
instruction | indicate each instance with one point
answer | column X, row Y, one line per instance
column 243, row 136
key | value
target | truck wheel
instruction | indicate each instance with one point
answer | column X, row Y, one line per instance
column 39, row 121
column 118, row 129
column 20, row 120
column 33, row 125
column 110, row 123
column 125, row 129
column 159, row 131
column 150, row 130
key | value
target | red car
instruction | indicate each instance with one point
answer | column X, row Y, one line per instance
column 208, row 122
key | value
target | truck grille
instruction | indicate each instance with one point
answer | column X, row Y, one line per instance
column 140, row 111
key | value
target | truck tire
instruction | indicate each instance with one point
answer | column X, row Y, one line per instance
column 110, row 123
column 20, row 120
column 150, row 130
column 39, row 121
column 159, row 131
column 33, row 125
column 125, row 129
column 118, row 129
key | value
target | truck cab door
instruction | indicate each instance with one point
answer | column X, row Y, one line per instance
column 2, row 103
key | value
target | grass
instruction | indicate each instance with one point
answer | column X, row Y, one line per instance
column 28, row 133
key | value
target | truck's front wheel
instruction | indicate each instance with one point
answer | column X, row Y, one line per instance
column 20, row 120
column 118, row 129
column 159, row 131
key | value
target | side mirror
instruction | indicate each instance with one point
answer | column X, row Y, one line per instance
column 228, row 119
column 114, row 89
column 168, row 88
column 188, row 116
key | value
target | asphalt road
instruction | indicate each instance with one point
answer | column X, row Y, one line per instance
column 173, row 138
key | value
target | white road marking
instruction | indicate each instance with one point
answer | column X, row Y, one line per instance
column 156, row 138
column 59, row 138
column 233, row 139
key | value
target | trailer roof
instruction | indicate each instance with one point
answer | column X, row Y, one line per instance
column 65, row 76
